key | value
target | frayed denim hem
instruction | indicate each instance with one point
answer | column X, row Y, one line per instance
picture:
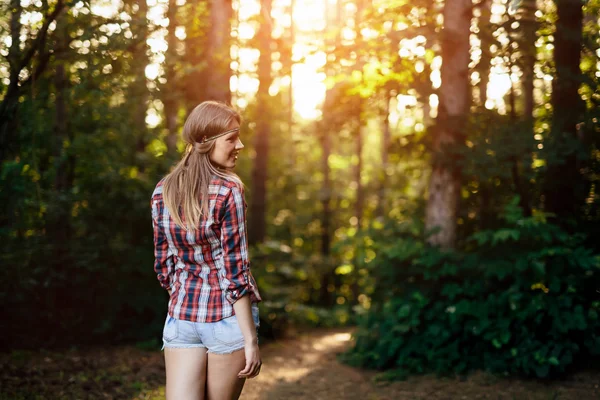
column 181, row 346
column 228, row 351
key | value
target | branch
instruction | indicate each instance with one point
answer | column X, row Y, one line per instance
column 41, row 38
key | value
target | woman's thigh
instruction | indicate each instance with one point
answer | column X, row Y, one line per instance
column 186, row 373
column 222, row 382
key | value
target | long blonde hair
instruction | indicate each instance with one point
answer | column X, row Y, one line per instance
column 185, row 188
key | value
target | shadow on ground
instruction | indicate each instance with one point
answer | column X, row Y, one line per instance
column 303, row 366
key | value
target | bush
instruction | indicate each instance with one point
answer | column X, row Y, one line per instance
column 521, row 299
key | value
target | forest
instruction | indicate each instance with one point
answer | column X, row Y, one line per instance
column 425, row 172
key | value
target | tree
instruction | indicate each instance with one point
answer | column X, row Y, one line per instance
column 219, row 43
column 33, row 58
column 445, row 180
column 259, row 173
column 486, row 38
column 170, row 94
column 563, row 186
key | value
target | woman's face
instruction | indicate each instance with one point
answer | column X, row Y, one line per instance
column 224, row 153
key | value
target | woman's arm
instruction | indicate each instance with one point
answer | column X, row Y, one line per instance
column 236, row 261
column 163, row 262
column 235, row 246
column 243, row 313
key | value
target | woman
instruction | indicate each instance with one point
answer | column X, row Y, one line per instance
column 201, row 249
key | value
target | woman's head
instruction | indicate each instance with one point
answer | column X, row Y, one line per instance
column 212, row 134
column 213, row 128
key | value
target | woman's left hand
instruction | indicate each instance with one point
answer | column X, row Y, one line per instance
column 253, row 361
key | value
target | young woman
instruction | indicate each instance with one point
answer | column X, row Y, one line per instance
column 201, row 249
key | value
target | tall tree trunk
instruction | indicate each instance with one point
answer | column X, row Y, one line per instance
column 563, row 187
column 385, row 145
column 219, row 43
column 171, row 92
column 486, row 38
column 358, row 113
column 139, row 89
column 195, row 56
column 483, row 67
column 290, row 187
column 9, row 103
column 58, row 223
column 358, row 146
column 528, row 26
column 259, row 173
column 445, row 181
column 526, row 39
column 325, row 134
column 292, row 38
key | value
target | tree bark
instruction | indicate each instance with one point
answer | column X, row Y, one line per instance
column 170, row 92
column 219, row 43
column 486, row 38
column 563, row 187
column 259, row 173
column 325, row 134
column 528, row 25
column 196, row 56
column 139, row 89
column 358, row 112
column 445, row 181
column 385, row 145
column 58, row 223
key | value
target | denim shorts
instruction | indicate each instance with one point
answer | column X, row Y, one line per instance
column 221, row 337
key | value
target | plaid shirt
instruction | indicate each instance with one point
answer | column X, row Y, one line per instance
column 206, row 270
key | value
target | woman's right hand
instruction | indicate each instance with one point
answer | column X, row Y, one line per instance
column 253, row 361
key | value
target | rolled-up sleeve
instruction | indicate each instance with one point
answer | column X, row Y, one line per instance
column 235, row 245
column 163, row 261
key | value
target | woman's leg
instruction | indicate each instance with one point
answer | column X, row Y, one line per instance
column 186, row 373
column 222, row 376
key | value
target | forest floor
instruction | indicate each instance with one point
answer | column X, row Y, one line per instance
column 302, row 367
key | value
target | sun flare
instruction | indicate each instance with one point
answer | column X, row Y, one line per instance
column 307, row 79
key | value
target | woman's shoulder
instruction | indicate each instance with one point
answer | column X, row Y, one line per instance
column 226, row 184
column 158, row 189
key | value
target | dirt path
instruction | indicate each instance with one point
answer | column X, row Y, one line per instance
column 303, row 367
column 306, row 368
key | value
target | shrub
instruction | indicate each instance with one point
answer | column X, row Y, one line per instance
column 521, row 299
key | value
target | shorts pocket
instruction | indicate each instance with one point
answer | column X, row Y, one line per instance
column 227, row 331
column 171, row 329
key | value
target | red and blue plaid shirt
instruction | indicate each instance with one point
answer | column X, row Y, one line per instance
column 208, row 269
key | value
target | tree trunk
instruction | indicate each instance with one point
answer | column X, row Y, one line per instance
column 325, row 134
column 58, row 222
column 259, row 174
column 139, row 89
column 563, row 187
column 170, row 91
column 10, row 101
column 486, row 37
column 358, row 112
column 445, row 181
column 195, row 57
column 385, row 144
column 360, row 201
column 219, row 43
column 528, row 26
column 292, row 38
column 291, row 160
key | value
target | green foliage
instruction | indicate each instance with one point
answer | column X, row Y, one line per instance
column 521, row 299
column 289, row 286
